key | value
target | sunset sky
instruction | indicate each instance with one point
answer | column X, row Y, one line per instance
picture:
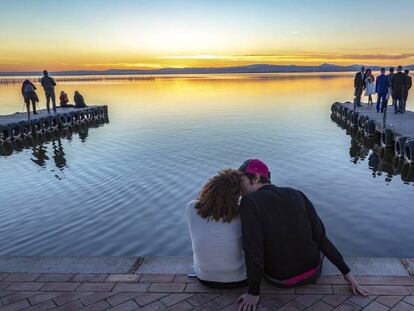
column 100, row 34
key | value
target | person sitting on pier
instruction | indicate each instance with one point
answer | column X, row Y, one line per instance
column 29, row 95
column 409, row 85
column 283, row 236
column 215, row 230
column 79, row 102
column 49, row 86
column 381, row 87
column 399, row 85
column 64, row 100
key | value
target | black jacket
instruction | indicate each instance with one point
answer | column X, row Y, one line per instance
column 359, row 80
column 399, row 84
column 283, row 236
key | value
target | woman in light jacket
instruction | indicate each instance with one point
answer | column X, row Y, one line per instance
column 215, row 230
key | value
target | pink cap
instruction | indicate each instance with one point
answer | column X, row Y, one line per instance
column 255, row 166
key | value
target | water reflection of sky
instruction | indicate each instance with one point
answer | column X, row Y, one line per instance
column 123, row 192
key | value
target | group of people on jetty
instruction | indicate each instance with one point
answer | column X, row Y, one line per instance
column 394, row 85
column 48, row 84
column 244, row 229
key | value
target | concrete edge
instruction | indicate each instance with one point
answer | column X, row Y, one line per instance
column 362, row 266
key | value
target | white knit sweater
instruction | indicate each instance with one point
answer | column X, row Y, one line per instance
column 217, row 248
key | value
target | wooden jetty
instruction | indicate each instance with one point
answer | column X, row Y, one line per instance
column 398, row 132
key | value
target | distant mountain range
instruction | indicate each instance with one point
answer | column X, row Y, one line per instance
column 256, row 68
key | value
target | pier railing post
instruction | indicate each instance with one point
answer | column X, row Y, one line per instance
column 384, row 116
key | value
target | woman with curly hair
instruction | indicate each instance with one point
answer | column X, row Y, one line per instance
column 215, row 230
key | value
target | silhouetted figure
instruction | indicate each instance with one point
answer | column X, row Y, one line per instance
column 49, row 86
column 64, row 100
column 29, row 95
column 79, row 102
column 369, row 85
column 409, row 85
column 399, row 85
column 390, row 77
column 359, row 84
column 381, row 87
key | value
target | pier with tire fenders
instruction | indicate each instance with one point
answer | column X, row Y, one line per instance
column 397, row 134
column 18, row 132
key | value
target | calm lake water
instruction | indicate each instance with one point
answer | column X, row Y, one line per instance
column 122, row 190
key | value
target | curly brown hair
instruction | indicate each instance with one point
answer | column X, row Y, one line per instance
column 219, row 198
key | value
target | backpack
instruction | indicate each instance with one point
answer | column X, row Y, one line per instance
column 28, row 88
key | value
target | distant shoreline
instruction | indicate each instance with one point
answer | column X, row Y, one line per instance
column 256, row 68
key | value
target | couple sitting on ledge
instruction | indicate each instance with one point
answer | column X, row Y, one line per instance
column 272, row 232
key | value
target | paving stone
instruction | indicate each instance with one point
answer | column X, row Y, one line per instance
column 314, row 289
column 146, row 298
column 38, row 298
column 4, row 285
column 95, row 297
column 388, row 290
column 308, row 300
column 277, row 300
column 376, row 306
column 70, row 306
column 125, row 306
column 21, row 277
column 43, row 306
column 409, row 299
column 120, row 298
column 335, row 300
column 89, row 277
column 68, row 297
column 95, row 287
column 16, row 296
column 97, row 306
column 330, row 279
column 183, row 278
column 182, row 306
column 362, row 301
column 403, row 306
column 200, row 299
column 226, row 299
column 155, row 306
column 174, row 298
column 55, row 277
column 389, row 301
column 131, row 287
column 123, row 278
column 320, row 306
column 25, row 286
column 157, row 278
column 166, row 287
column 20, row 305
column 292, row 306
column 348, row 306
column 60, row 287
column 200, row 288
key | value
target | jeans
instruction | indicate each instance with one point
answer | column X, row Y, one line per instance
column 50, row 95
column 381, row 102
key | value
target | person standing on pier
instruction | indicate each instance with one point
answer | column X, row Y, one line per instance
column 369, row 85
column 49, row 86
column 29, row 95
column 409, row 85
column 359, row 84
column 390, row 78
column 399, row 85
column 381, row 87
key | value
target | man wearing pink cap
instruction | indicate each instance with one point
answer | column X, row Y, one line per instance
column 283, row 237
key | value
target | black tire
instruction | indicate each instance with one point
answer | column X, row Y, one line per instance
column 5, row 133
column 399, row 146
column 370, row 129
column 409, row 151
column 37, row 125
column 26, row 128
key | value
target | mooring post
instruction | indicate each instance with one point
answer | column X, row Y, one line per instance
column 384, row 116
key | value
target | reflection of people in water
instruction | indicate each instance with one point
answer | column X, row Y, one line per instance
column 40, row 157
column 59, row 154
column 83, row 133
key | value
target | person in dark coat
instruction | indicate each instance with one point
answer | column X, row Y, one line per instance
column 410, row 84
column 79, row 102
column 381, row 88
column 29, row 95
column 399, row 85
column 49, row 86
column 390, row 76
column 359, row 85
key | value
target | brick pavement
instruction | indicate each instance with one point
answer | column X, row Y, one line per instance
column 55, row 291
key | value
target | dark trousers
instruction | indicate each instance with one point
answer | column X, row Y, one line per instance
column 381, row 102
column 27, row 101
column 399, row 105
column 49, row 96
column 222, row 284
column 358, row 94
